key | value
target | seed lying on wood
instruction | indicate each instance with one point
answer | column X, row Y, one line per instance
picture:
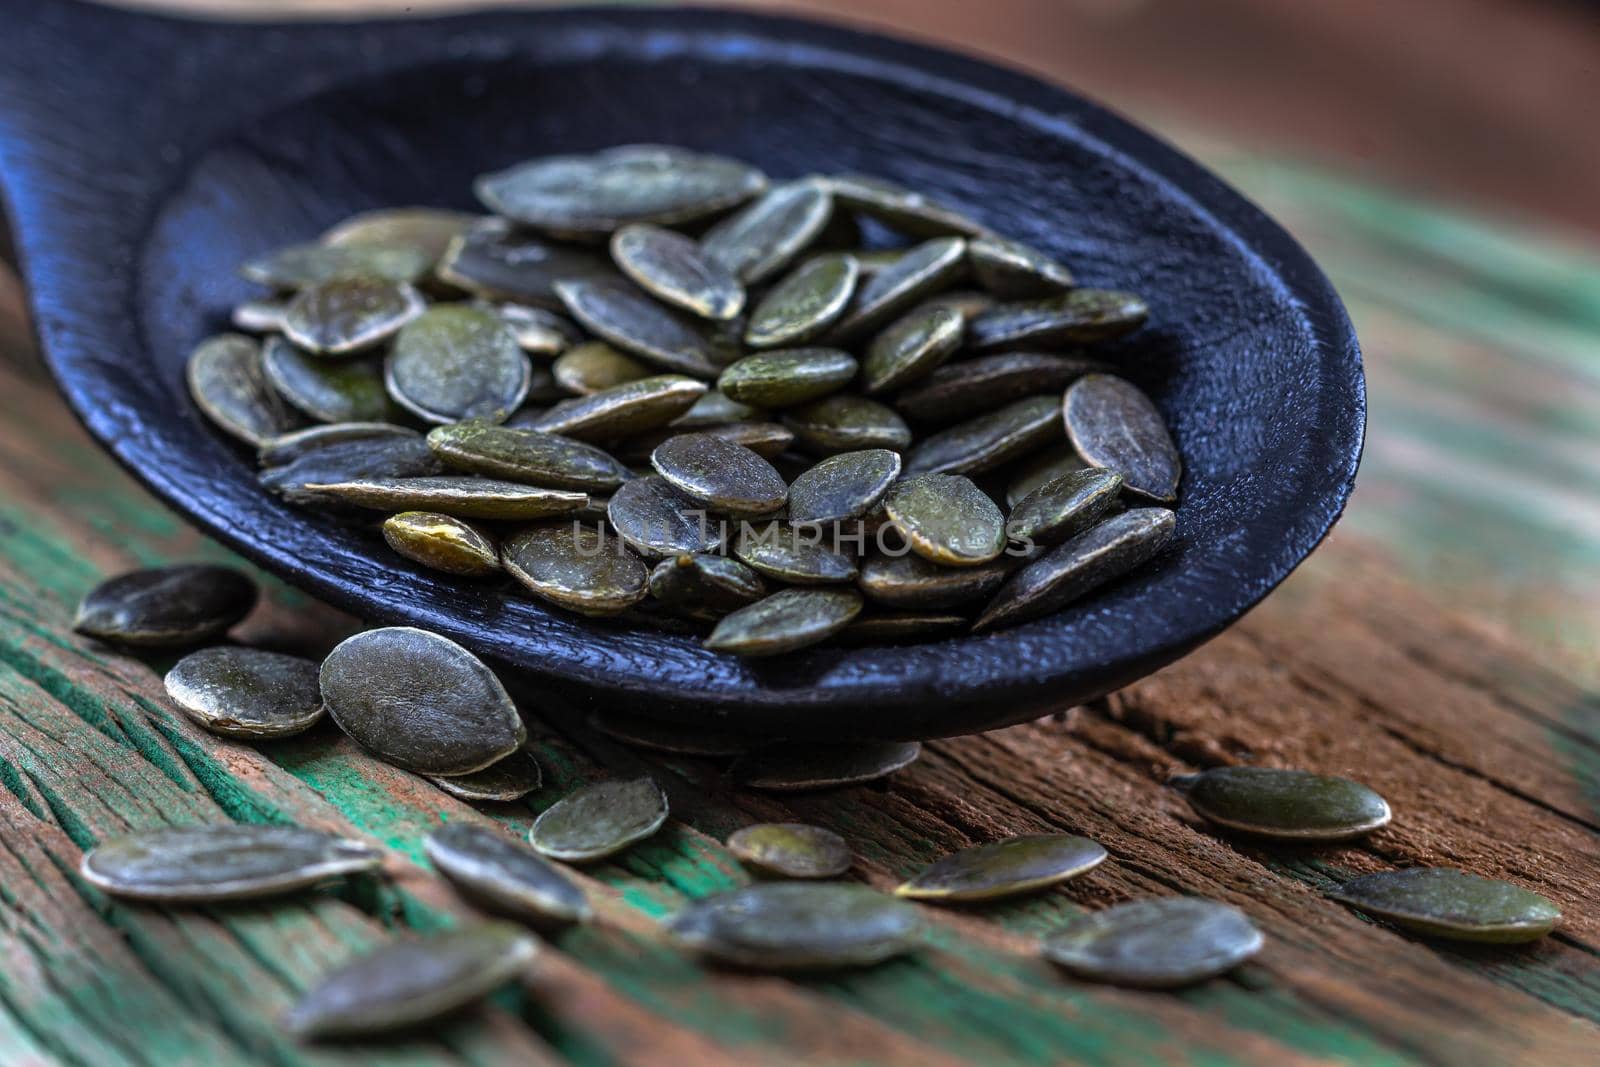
column 506, row 875
column 1287, row 804
column 1155, row 944
column 166, row 607
column 795, row 926
column 600, row 820
column 233, row 861
column 1007, row 868
column 1446, row 903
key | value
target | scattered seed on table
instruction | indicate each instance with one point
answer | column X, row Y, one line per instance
column 1007, row 868
column 166, row 607
column 1446, row 903
column 246, row 692
column 600, row 820
column 231, row 861
column 501, row 782
column 797, row 926
column 1287, row 804
column 792, row 850
column 496, row 870
column 792, row 766
column 1162, row 943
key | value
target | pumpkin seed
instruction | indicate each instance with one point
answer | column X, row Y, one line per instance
column 227, row 383
column 442, row 543
column 576, row 567
column 757, row 241
column 845, row 422
column 464, row 498
column 1014, row 271
column 1287, row 804
column 787, row 377
column 973, row 386
column 1093, row 558
column 406, row 983
column 911, row 348
column 501, row 782
column 991, row 440
column 726, row 478
column 792, row 554
column 633, row 322
column 1064, row 507
column 357, row 460
column 526, row 456
column 539, row 331
column 586, row 196
column 420, row 701
column 259, row 316
column 797, row 926
column 1047, row 466
column 901, row 626
column 494, row 869
column 232, row 861
column 947, row 519
column 594, row 366
column 786, row 620
column 655, row 520
column 766, row 439
column 915, row 276
column 496, row 261
column 350, row 314
column 803, row 305
column 707, row 586
column 457, row 362
column 791, row 767
column 845, row 486
column 286, row 448
column 600, row 820
column 675, row 738
column 1155, row 944
column 876, row 260
column 968, row 303
column 622, row 410
column 915, row 584
column 166, row 607
column 896, row 206
column 713, row 409
column 347, row 390
column 246, row 692
column 1112, row 424
column 672, row 268
column 1007, row 868
column 1446, row 903
column 298, row 266
column 1080, row 316
column 427, row 230
column 792, row 850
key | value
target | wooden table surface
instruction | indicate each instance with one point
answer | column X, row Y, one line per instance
column 1440, row 646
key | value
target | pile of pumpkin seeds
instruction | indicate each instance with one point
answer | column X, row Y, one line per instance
column 655, row 384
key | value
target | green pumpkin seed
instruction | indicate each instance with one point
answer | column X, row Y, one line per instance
column 1047, row 466
column 427, row 230
column 1014, row 271
column 442, row 543
column 501, row 782
column 1007, row 868
column 600, row 820
column 724, row 477
column 792, row 850
column 526, row 456
column 594, row 366
column 587, row 196
column 672, row 268
column 705, row 585
column 790, row 767
column 759, row 240
column 787, row 377
column 348, row 390
column 301, row 265
column 1287, row 804
column 359, row 460
column 876, row 260
column 1446, row 903
column 420, row 701
column 1098, row 555
column 655, row 520
column 1081, row 316
column 286, row 448
column 1155, row 944
column 968, row 303
column 539, row 331
column 896, row 206
column 407, row 983
column 635, row 323
column 888, row 629
column 464, row 498
column 166, row 607
column 457, row 362
column 796, row 926
column 1064, row 507
column 914, row 277
column 797, row 555
column 802, row 306
column 1114, row 425
column 915, row 584
column 911, row 348
column 947, row 519
column 259, row 316
column 348, row 315
column 623, row 410
column 845, row 486
column 785, row 621
column 232, row 861
column 713, row 409
column 495, row 870
column 227, row 384
column 496, row 261
column 576, row 567
column 991, row 440
column 246, row 692
column 845, row 422
column 974, row 386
